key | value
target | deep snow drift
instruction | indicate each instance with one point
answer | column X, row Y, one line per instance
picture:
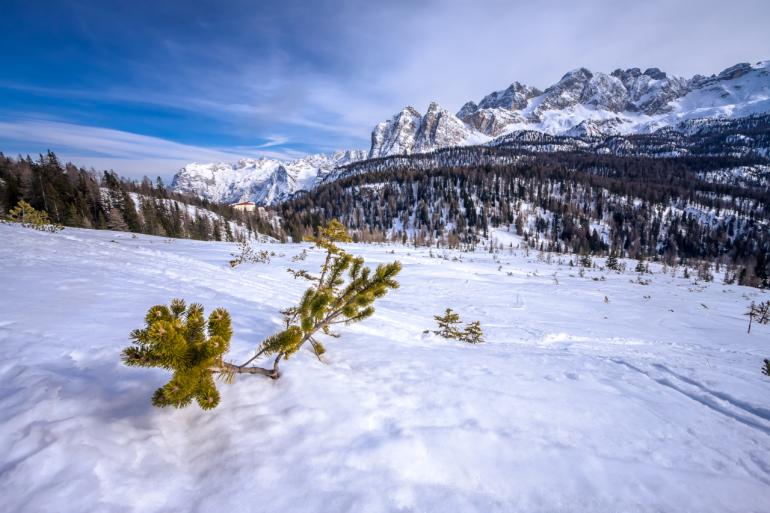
column 652, row 401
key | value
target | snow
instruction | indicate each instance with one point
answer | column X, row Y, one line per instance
column 263, row 181
column 652, row 401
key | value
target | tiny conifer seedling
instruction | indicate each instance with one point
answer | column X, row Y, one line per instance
column 449, row 328
column 612, row 262
column 247, row 255
column 448, row 324
column 472, row 333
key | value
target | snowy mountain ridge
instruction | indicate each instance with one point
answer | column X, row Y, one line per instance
column 261, row 180
column 582, row 104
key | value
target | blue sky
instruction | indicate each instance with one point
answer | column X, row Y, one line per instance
column 143, row 87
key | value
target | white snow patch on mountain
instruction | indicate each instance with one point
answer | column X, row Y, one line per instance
column 263, row 181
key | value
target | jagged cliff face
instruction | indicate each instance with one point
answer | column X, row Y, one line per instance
column 410, row 132
column 591, row 104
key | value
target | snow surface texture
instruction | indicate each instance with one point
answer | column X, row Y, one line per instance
column 652, row 401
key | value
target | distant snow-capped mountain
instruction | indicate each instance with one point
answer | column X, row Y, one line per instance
column 410, row 132
column 263, row 181
column 582, row 103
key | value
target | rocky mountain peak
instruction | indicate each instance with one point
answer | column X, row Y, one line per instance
column 515, row 97
column 408, row 132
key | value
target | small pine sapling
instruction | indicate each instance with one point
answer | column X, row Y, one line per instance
column 448, row 324
column 612, row 262
column 449, row 328
column 472, row 334
column 766, row 368
column 29, row 217
column 641, row 267
column 247, row 255
column 175, row 337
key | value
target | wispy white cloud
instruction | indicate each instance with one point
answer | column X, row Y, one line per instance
column 130, row 154
column 246, row 72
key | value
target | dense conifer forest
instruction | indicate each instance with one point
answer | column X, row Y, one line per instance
column 78, row 197
column 637, row 207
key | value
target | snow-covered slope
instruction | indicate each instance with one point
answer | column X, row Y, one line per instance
column 263, row 181
column 649, row 401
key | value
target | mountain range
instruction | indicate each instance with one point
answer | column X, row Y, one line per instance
column 582, row 106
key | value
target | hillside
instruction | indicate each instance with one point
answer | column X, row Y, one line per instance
column 592, row 393
column 82, row 198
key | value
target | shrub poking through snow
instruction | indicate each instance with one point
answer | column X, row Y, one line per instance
column 612, row 262
column 472, row 334
column 449, row 324
column 758, row 312
column 29, row 217
column 178, row 338
column 247, row 255
column 766, row 368
column 342, row 293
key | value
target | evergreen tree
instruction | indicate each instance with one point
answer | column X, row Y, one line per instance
column 448, row 324
column 29, row 217
column 472, row 334
column 640, row 265
column 612, row 262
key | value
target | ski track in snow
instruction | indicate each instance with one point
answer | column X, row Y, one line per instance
column 572, row 404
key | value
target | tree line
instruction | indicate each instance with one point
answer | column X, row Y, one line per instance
column 637, row 207
column 82, row 198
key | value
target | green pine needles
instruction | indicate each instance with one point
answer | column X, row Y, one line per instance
column 449, row 327
column 179, row 339
column 29, row 217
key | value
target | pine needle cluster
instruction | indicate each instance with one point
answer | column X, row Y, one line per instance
column 449, row 327
column 29, row 217
column 178, row 338
column 342, row 293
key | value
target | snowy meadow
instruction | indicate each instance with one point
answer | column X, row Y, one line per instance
column 597, row 391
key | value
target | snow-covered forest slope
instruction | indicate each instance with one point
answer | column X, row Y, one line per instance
column 592, row 393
